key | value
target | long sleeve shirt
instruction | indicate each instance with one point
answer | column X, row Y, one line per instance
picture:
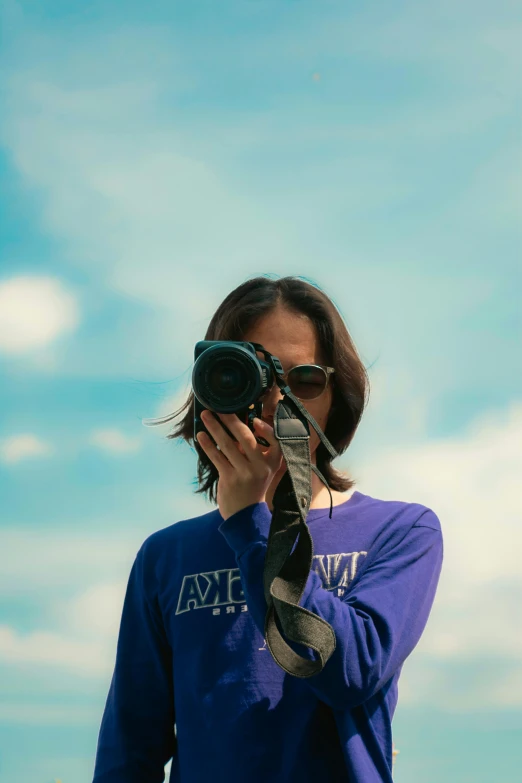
column 194, row 682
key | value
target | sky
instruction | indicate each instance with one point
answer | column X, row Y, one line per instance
column 154, row 157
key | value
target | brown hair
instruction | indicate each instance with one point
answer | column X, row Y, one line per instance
column 236, row 314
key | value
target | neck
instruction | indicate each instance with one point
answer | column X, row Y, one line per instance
column 320, row 494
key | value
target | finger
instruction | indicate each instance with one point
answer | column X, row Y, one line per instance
column 244, row 437
column 211, row 450
column 226, row 445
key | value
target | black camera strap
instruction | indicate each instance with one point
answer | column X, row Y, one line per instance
column 286, row 571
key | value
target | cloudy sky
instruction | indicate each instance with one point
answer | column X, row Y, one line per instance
column 152, row 159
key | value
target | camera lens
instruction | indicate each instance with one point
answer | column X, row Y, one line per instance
column 227, row 379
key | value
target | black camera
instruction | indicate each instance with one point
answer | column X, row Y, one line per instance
column 228, row 377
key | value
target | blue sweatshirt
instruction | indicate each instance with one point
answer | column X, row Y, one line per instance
column 194, row 681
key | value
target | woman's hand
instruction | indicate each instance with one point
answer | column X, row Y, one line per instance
column 246, row 468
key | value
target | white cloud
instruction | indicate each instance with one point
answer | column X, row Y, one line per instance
column 65, row 561
column 54, row 649
column 47, row 714
column 16, row 448
column 153, row 211
column 157, row 214
column 96, row 610
column 464, row 685
column 472, row 482
column 85, row 575
column 114, row 441
column 34, row 311
column 85, row 640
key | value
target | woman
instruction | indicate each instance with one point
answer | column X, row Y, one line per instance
column 191, row 650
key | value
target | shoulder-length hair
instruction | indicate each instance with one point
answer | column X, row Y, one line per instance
column 240, row 311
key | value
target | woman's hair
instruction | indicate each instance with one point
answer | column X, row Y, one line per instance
column 238, row 313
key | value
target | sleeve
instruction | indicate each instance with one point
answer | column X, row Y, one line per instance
column 136, row 738
column 377, row 622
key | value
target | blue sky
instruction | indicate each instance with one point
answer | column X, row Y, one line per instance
column 153, row 158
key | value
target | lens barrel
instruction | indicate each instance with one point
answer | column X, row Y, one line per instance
column 228, row 377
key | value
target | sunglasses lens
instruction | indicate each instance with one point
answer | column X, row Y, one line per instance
column 307, row 382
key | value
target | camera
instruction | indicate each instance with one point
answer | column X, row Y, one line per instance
column 228, row 377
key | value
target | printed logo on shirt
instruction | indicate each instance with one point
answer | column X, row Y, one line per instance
column 223, row 587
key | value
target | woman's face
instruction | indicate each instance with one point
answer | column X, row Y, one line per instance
column 292, row 338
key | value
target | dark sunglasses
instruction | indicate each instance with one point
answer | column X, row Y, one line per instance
column 307, row 381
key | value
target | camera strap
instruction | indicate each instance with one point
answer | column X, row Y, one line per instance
column 286, row 569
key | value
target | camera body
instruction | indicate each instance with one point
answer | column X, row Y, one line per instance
column 228, row 377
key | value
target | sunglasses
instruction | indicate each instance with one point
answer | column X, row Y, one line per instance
column 307, row 381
